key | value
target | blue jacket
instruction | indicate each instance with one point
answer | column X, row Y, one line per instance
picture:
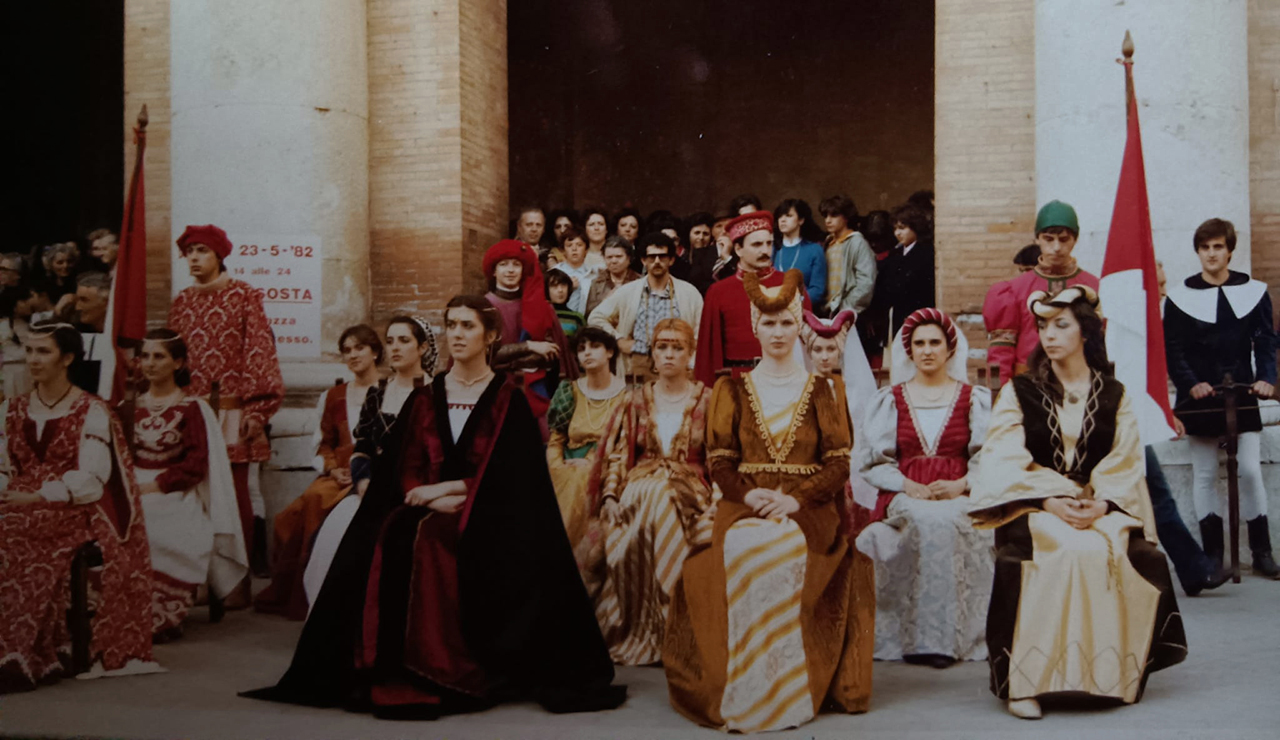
column 809, row 258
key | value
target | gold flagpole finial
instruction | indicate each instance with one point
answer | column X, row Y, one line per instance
column 1127, row 48
column 143, row 118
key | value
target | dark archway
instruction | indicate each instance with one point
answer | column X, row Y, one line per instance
column 66, row 111
column 681, row 104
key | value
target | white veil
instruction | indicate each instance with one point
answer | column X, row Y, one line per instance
column 860, row 388
column 903, row 369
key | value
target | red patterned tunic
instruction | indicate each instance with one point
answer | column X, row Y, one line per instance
column 230, row 341
column 40, row 540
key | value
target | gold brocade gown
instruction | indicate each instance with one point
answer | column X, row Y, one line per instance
column 773, row 621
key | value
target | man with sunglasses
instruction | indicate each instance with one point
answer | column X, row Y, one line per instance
column 632, row 311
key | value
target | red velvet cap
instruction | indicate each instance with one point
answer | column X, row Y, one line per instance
column 209, row 235
column 747, row 223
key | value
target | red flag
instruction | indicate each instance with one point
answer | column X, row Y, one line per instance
column 1130, row 290
column 127, row 310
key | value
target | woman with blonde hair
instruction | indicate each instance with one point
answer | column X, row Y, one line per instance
column 762, row 634
column 655, row 504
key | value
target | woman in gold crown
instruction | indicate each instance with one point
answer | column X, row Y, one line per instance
column 762, row 633
column 1082, row 601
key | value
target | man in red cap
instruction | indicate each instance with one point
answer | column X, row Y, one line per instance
column 229, row 341
column 533, row 346
column 726, row 341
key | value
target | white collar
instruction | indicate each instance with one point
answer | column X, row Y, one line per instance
column 1202, row 303
column 791, row 242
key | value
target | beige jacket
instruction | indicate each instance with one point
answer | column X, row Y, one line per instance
column 617, row 313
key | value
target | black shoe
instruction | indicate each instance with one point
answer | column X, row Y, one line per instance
column 1209, row 582
column 1260, row 544
column 1211, row 540
column 258, row 551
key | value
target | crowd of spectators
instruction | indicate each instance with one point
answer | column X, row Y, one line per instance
column 879, row 264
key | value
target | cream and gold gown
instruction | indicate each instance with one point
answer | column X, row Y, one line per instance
column 1072, row 610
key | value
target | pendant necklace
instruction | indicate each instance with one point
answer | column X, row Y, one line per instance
column 50, row 406
column 1073, row 395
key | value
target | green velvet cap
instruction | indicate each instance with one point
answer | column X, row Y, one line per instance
column 1057, row 213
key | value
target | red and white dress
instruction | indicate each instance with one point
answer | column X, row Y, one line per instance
column 192, row 524
column 933, row 568
column 75, row 458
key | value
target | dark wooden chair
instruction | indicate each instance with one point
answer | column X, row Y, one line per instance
column 79, row 615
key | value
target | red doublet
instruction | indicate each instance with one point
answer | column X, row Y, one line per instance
column 1011, row 329
column 726, row 333
column 229, row 340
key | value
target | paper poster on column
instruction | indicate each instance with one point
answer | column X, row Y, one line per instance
column 286, row 271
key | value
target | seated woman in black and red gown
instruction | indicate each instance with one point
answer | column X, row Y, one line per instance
column 462, row 520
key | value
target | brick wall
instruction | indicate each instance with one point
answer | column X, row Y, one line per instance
column 984, row 143
column 146, row 81
column 1264, row 137
column 485, row 133
column 437, row 195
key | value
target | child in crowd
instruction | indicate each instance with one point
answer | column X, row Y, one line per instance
column 559, row 288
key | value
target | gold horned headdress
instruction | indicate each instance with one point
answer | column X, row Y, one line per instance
column 787, row 297
column 1046, row 306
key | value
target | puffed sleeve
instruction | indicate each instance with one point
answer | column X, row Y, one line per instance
column 559, row 414
column 1120, row 478
column 6, row 469
column 878, row 458
column 84, row 484
column 1000, row 315
column 724, row 449
column 832, row 413
column 1009, row 482
column 979, row 422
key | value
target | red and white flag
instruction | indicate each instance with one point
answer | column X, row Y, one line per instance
column 126, row 321
column 1130, row 292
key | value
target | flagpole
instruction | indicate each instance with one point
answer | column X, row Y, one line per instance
column 116, row 382
column 1126, row 48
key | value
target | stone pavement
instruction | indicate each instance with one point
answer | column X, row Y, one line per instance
column 1226, row 689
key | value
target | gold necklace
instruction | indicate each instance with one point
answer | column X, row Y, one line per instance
column 673, row 400
column 470, row 383
column 1077, row 390
column 593, row 420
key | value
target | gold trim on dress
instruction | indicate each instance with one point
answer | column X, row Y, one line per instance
column 802, row 406
column 789, row 468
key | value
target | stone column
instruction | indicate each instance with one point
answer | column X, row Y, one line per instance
column 270, row 134
column 437, row 148
column 1191, row 78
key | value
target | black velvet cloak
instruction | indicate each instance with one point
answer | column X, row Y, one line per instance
column 526, row 618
